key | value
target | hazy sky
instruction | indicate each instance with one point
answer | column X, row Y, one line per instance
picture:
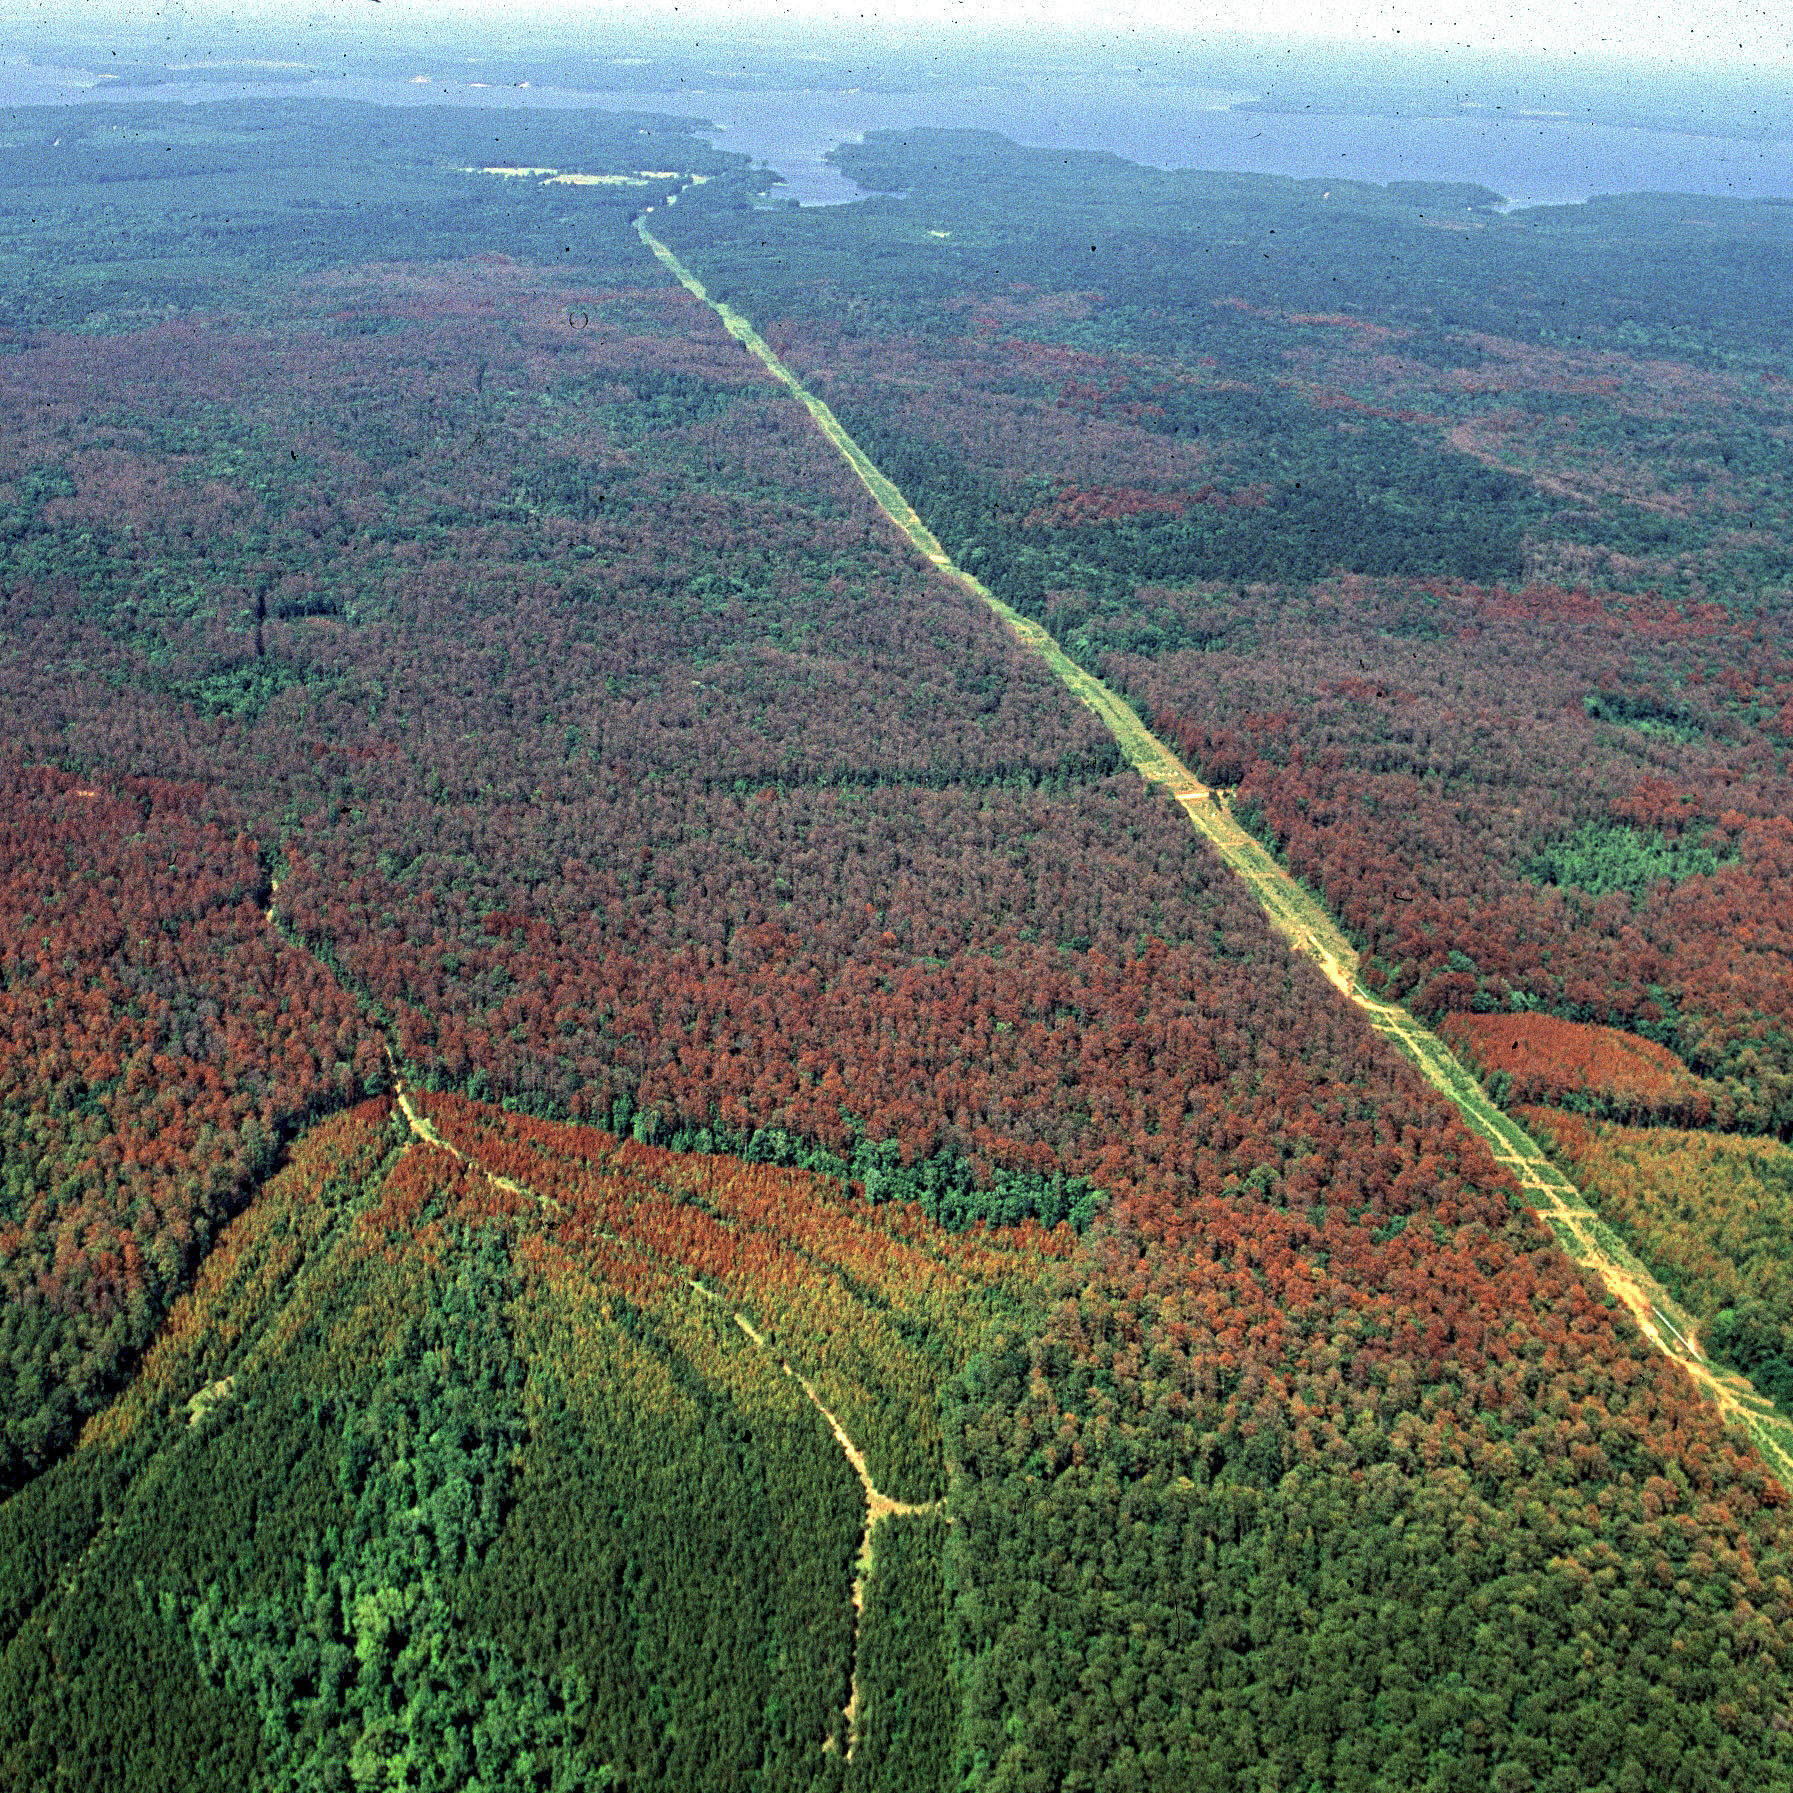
column 1728, row 30
column 1741, row 33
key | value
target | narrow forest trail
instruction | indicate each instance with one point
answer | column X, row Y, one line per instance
column 1308, row 929
column 878, row 1504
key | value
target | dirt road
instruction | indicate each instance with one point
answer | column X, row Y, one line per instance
column 878, row 1504
column 1303, row 922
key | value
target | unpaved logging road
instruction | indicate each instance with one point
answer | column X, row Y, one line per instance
column 1307, row 928
column 878, row 1504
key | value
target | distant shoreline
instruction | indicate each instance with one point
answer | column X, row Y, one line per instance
column 1531, row 158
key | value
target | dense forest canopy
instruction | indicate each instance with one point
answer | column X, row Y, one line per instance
column 1473, row 583
column 885, row 1272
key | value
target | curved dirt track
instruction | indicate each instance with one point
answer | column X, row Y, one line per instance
column 878, row 1505
column 1304, row 924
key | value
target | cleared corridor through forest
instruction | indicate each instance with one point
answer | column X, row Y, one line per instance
column 1308, row 929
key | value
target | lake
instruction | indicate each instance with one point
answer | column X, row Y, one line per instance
column 1532, row 160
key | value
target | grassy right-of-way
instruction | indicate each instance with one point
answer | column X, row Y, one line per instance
column 1304, row 923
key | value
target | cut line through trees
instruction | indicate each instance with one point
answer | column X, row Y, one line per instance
column 1302, row 921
